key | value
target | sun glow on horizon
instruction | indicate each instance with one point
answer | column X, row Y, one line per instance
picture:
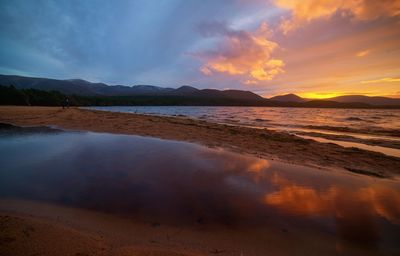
column 328, row 95
column 322, row 95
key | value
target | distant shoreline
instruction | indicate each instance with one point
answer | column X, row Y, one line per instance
column 26, row 91
column 260, row 142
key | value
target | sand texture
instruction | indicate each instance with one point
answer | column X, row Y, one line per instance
column 32, row 228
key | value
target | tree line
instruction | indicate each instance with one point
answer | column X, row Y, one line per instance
column 10, row 95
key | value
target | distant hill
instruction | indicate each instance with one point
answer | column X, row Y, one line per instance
column 186, row 89
column 288, row 98
column 376, row 101
column 85, row 88
column 78, row 86
column 85, row 93
column 356, row 100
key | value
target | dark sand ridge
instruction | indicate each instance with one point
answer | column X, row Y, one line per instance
column 260, row 142
column 373, row 142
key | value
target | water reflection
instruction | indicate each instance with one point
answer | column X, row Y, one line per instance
column 353, row 209
column 185, row 184
column 382, row 201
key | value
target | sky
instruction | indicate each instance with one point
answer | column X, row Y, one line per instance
column 314, row 48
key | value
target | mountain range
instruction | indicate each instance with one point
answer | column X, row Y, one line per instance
column 375, row 101
column 85, row 88
column 189, row 94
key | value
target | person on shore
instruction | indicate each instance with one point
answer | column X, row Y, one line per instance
column 65, row 103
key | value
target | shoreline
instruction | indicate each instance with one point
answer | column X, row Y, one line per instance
column 265, row 143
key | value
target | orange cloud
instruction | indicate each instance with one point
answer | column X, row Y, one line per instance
column 250, row 82
column 307, row 10
column 242, row 53
column 206, row 71
column 363, row 53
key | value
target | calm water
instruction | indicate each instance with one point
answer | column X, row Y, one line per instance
column 375, row 129
column 186, row 184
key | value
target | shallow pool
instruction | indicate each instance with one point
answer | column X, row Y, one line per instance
column 186, row 184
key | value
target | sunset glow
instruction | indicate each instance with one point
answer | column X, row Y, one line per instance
column 313, row 48
column 320, row 95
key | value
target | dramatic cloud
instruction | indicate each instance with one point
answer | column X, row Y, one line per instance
column 343, row 46
column 307, row 10
column 241, row 53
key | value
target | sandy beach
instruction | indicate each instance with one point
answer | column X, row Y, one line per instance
column 45, row 229
column 48, row 229
column 259, row 142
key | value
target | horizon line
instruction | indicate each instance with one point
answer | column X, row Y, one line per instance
column 315, row 95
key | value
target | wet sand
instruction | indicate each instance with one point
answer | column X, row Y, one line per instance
column 388, row 143
column 31, row 228
column 260, row 142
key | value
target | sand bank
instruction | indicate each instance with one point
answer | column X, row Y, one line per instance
column 260, row 142
column 31, row 228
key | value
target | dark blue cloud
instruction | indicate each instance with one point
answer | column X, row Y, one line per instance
column 119, row 42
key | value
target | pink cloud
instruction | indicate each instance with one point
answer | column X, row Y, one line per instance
column 240, row 53
column 302, row 12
